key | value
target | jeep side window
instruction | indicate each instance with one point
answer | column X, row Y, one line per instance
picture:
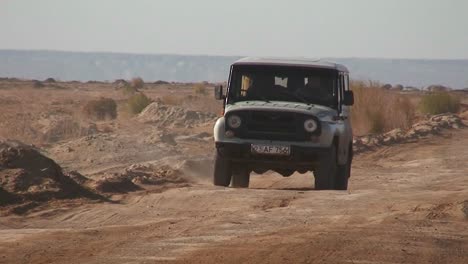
column 346, row 82
column 246, row 84
column 342, row 87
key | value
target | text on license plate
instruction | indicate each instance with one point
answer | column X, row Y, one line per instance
column 270, row 149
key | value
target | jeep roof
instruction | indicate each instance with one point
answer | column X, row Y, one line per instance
column 298, row 62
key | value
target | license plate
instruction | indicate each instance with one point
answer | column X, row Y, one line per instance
column 270, row 149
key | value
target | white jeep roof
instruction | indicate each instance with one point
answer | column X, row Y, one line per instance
column 298, row 62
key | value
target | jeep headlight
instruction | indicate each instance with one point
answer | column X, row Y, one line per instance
column 234, row 121
column 310, row 125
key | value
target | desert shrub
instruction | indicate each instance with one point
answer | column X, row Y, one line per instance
column 137, row 83
column 397, row 87
column 160, row 82
column 37, row 84
column 129, row 90
column 438, row 103
column 387, row 86
column 138, row 102
column 120, row 83
column 378, row 110
column 101, row 109
column 437, row 88
column 199, row 89
column 63, row 129
column 50, row 80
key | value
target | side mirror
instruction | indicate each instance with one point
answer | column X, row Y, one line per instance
column 218, row 92
column 348, row 98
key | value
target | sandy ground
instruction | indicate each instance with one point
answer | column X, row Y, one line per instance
column 407, row 204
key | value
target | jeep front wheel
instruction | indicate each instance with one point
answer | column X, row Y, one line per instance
column 222, row 171
column 344, row 173
column 325, row 174
column 240, row 179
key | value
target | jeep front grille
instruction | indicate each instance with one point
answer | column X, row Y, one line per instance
column 272, row 125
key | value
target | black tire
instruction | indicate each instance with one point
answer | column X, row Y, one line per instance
column 240, row 179
column 222, row 171
column 325, row 174
column 344, row 173
column 342, row 176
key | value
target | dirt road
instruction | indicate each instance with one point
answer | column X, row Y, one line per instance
column 406, row 204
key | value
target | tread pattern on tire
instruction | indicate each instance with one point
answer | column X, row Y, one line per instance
column 222, row 171
column 240, row 179
column 325, row 175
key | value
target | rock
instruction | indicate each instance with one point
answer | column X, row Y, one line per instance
column 464, row 115
column 77, row 177
column 168, row 139
column 115, row 183
column 431, row 126
column 142, row 174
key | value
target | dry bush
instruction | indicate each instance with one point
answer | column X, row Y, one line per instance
column 63, row 130
column 200, row 89
column 120, row 83
column 438, row 103
column 138, row 102
column 101, row 109
column 202, row 104
column 137, row 83
column 37, row 84
column 129, row 90
column 378, row 110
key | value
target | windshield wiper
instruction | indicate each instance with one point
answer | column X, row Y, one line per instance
column 301, row 99
column 264, row 99
column 297, row 97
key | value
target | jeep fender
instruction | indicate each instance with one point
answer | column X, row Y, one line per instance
column 219, row 130
column 335, row 133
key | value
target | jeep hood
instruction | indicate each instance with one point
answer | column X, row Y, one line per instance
column 319, row 111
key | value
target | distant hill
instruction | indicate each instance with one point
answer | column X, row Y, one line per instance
column 83, row 66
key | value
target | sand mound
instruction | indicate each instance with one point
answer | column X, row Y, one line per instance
column 172, row 116
column 27, row 175
column 115, row 183
column 134, row 177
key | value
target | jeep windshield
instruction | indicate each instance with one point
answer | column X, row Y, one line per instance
column 283, row 83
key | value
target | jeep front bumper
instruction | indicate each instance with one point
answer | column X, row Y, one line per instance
column 300, row 158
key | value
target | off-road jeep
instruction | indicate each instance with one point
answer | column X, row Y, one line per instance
column 284, row 115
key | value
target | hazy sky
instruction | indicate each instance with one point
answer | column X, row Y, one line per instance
column 333, row 28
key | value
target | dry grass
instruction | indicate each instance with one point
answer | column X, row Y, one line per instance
column 101, row 109
column 439, row 102
column 171, row 99
column 378, row 110
column 41, row 116
column 129, row 90
column 138, row 102
column 46, row 115
column 200, row 89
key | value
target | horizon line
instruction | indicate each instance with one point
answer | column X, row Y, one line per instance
column 225, row 56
